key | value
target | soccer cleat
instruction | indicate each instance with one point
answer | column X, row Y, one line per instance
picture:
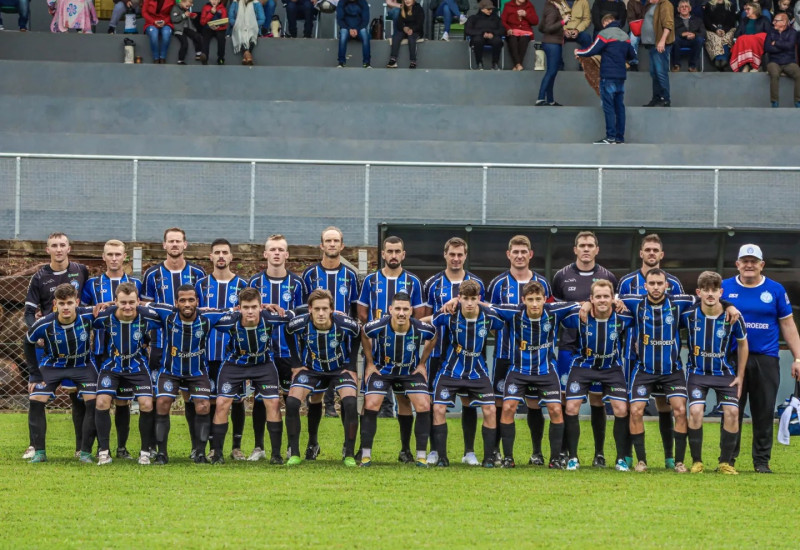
column 350, row 462
column 555, row 464
column 641, row 466
column 217, row 459
column 28, row 454
column 152, row 453
column 433, row 458
column 38, row 456
column 508, row 462
column 86, row 458
column 294, row 461
column 193, row 454
column 680, row 468
column 487, row 463
column 276, row 460
column 725, row 468
column 563, row 458
column 443, row 462
column 144, row 458
column 497, row 458
column 669, row 463
column 161, row 459
column 237, row 454
column 537, row 459
column 629, row 461
column 366, row 462
column 123, row 453
column 622, row 466
column 421, row 463
column 470, row 459
column 257, row 454
column 312, row 452
column 599, row 461
column 760, row 468
column 697, row 468
column 573, row 464
column 201, row 459
column 405, row 457
column 103, row 457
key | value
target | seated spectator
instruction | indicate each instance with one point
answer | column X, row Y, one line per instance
column 719, row 18
column 766, row 9
column 352, row 16
column 696, row 7
column 635, row 14
column 576, row 28
column 519, row 17
column 304, row 8
column 749, row 40
column 409, row 25
column 393, row 12
column 448, row 10
column 121, row 7
column 268, row 7
column 209, row 28
column 68, row 15
column 600, row 8
column 780, row 44
column 246, row 17
column 23, row 15
column 689, row 33
column 158, row 27
column 181, row 17
column 783, row 6
column 485, row 29
column 553, row 26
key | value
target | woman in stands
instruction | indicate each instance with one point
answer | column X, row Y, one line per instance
column 68, row 15
column 519, row 17
column 555, row 17
column 748, row 47
column 410, row 25
column 246, row 18
column 719, row 17
column 158, row 27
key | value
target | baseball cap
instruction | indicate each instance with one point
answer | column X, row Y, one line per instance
column 751, row 250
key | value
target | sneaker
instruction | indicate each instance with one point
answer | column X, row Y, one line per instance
column 392, row 64
column 350, row 462
column 629, row 461
column 540, row 103
column 462, row 19
column 276, row 460
column 573, row 464
column 339, row 66
column 86, row 458
column 28, row 454
column 217, row 459
column 312, row 452
column 537, row 459
column 697, row 468
column 443, row 462
column 759, row 468
column 641, row 466
column 257, row 454
column 38, row 456
column 181, row 62
column 433, row 458
column 470, row 459
column 669, row 463
column 103, row 457
column 555, row 104
column 123, row 453
column 144, row 458
column 555, row 464
column 508, row 462
column 563, row 458
column 366, row 462
column 495, row 67
column 446, row 36
column 152, row 453
column 220, row 61
column 599, row 461
column 405, row 457
column 111, row 30
column 366, row 66
column 605, row 141
column 201, row 459
column 665, row 103
column 237, row 454
column 487, row 463
column 412, row 65
column 680, row 468
column 478, row 66
column 622, row 466
column 421, row 463
column 725, row 468
column 161, row 459
column 655, row 102
column 294, row 461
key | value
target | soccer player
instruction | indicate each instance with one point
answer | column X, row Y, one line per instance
column 506, row 289
column 220, row 290
column 377, row 293
column 160, row 283
column 321, row 336
column 395, row 359
column 765, row 305
column 285, row 289
column 573, row 283
column 66, row 334
column 438, row 290
column 125, row 326
column 463, row 369
column 651, row 252
column 40, row 299
column 249, row 358
column 599, row 362
column 100, row 290
column 710, row 339
column 531, row 329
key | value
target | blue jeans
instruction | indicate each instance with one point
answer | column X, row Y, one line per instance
column 635, row 41
column 695, row 48
column 552, row 53
column 659, row 72
column 612, row 94
column 269, row 11
column 24, row 11
column 153, row 33
column 301, row 9
column 584, row 39
column 344, row 36
column 447, row 10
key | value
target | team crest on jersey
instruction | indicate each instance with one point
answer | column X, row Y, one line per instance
column 669, row 319
column 513, row 389
column 444, row 394
column 105, row 382
column 226, row 387
column 411, row 346
column 74, row 283
column 233, row 298
column 83, row 337
column 168, row 385
column 641, row 390
column 720, row 333
column 302, row 379
column 696, row 393
column 287, row 296
column 334, row 343
column 575, row 387
column 501, row 385
column 766, row 297
column 263, row 337
column 198, row 333
column 343, row 290
column 613, row 336
column 378, row 384
column 546, row 327
column 482, row 332
column 137, row 335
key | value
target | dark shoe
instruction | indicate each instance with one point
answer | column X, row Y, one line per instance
column 122, row 452
column 563, row 458
column 312, row 452
column 634, row 68
column 341, row 65
column 478, row 66
column 540, row 103
column 496, row 457
column 555, row 104
column 655, row 102
column 599, row 461
column 555, row 464
column 161, row 459
column 193, row 454
column 330, row 412
column 619, row 141
column 665, row 103
column 508, row 462
column 392, row 64
column 605, row 141
column 276, row 460
column 181, row 62
column 495, row 67
column 405, row 457
column 367, row 66
column 220, row 61
column 201, row 459
column 217, row 459
column 487, row 463
column 763, row 469
column 443, row 462
column 413, row 65
column 111, row 30
column 537, row 459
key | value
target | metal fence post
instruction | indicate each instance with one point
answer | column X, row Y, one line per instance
column 716, row 197
column 17, row 197
column 484, row 193
column 134, row 198
column 366, row 204
column 599, row 197
column 252, row 201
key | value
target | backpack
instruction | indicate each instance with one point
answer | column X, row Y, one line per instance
column 376, row 28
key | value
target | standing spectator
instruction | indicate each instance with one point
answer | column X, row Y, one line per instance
column 246, row 18
column 719, row 17
column 781, row 45
column 600, row 8
column 485, row 29
column 352, row 17
column 748, row 47
column 448, row 10
column 658, row 34
column 581, row 18
column 158, row 27
column 519, row 17
column 181, row 17
column 555, row 18
column 212, row 12
column 409, row 25
column 69, row 15
column 304, row 7
column 690, row 32
column 635, row 15
column 121, row 7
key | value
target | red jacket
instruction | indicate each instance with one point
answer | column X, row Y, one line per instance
column 152, row 14
column 206, row 15
column 512, row 20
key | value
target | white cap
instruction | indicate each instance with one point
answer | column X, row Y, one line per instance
column 751, row 250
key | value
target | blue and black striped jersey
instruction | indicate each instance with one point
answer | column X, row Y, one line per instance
column 323, row 350
column 397, row 353
column 125, row 339
column 378, row 290
column 599, row 340
column 65, row 346
column 161, row 285
column 218, row 295
column 100, row 290
column 250, row 346
column 342, row 283
column 505, row 290
column 464, row 357
column 288, row 293
column 439, row 290
column 710, row 341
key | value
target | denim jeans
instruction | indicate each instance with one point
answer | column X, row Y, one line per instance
column 552, row 53
column 447, row 10
column 694, row 46
column 269, row 11
column 304, row 10
column 153, row 33
column 344, row 36
column 635, row 41
column 397, row 39
column 612, row 94
column 24, row 10
column 659, row 71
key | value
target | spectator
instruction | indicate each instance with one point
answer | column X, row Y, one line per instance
column 796, row 23
column 555, row 18
column 580, row 19
column 447, row 10
column 246, row 17
column 409, row 25
column 306, row 9
column 719, row 17
column 485, row 29
column 635, row 14
column 600, row 8
column 658, row 34
column 23, row 15
column 766, row 9
column 68, row 15
column 213, row 12
column 519, row 17
column 689, row 33
column 783, row 6
column 121, row 7
column 748, row 47
column 393, row 13
column 268, row 7
column 352, row 17
column 158, row 27
column 781, row 44
column 181, row 17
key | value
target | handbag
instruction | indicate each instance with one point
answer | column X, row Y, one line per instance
column 539, row 59
column 636, row 27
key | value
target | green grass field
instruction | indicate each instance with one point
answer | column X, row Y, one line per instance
column 65, row 504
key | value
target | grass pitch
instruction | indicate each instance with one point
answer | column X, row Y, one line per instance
column 65, row 504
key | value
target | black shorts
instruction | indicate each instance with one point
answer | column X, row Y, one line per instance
column 84, row 378
column 699, row 384
column 318, row 382
column 124, row 393
column 232, row 378
column 642, row 385
column 434, row 365
column 611, row 381
column 544, row 388
column 501, row 367
column 479, row 391
column 285, row 366
column 139, row 383
column 401, row 384
column 199, row 387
